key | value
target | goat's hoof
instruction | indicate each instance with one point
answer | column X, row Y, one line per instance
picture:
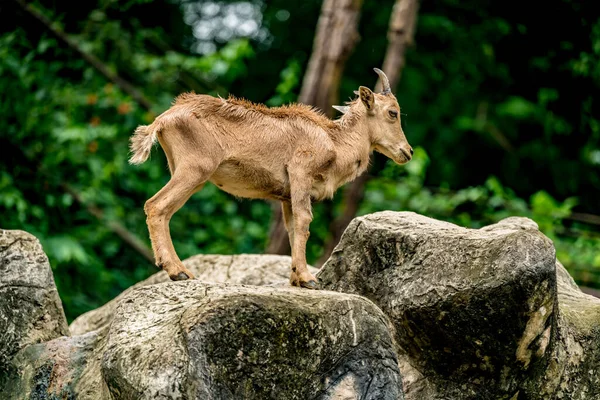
column 313, row 285
column 182, row 276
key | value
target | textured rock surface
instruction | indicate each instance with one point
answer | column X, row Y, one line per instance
column 208, row 341
column 245, row 269
column 574, row 372
column 476, row 312
column 30, row 308
column 248, row 342
column 63, row 368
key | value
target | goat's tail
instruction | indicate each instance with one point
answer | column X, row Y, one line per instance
column 141, row 143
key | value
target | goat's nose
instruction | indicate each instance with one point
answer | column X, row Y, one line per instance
column 412, row 151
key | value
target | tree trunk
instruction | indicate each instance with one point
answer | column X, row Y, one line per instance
column 336, row 37
column 278, row 237
column 400, row 35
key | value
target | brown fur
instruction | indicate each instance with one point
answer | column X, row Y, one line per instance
column 235, row 107
column 293, row 154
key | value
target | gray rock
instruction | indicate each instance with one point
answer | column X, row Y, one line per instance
column 195, row 340
column 245, row 269
column 63, row 368
column 30, row 308
column 471, row 314
column 191, row 339
column 477, row 313
column 574, row 372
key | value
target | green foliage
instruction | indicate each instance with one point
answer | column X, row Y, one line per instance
column 500, row 107
column 290, row 79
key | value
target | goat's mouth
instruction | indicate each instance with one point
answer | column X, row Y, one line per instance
column 400, row 157
column 405, row 155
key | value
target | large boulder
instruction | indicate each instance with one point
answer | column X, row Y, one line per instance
column 195, row 340
column 192, row 339
column 477, row 313
column 30, row 308
column 244, row 269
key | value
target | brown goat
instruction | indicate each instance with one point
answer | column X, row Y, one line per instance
column 293, row 154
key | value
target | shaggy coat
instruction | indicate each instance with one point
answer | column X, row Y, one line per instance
column 293, row 154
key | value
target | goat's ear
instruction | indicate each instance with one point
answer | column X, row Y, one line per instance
column 367, row 97
column 342, row 109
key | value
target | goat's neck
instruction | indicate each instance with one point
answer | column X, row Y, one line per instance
column 353, row 142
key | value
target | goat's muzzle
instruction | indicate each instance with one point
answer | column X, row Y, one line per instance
column 406, row 154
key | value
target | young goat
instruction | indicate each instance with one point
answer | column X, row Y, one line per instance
column 293, row 154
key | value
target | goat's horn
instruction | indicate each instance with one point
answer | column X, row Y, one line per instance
column 342, row 109
column 385, row 82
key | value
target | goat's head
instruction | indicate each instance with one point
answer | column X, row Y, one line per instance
column 382, row 117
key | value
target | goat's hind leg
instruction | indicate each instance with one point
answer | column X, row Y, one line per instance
column 159, row 210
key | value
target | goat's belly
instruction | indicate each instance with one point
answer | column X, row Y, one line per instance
column 255, row 183
column 242, row 191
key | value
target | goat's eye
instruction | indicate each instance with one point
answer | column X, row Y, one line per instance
column 393, row 114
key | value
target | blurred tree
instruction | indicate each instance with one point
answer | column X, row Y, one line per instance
column 400, row 35
column 335, row 39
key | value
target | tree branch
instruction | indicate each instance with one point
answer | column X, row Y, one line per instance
column 584, row 217
column 120, row 230
column 91, row 59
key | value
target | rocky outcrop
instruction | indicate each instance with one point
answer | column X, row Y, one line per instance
column 207, row 341
column 64, row 368
column 478, row 313
column 430, row 309
column 223, row 342
column 244, row 269
column 30, row 308
column 199, row 340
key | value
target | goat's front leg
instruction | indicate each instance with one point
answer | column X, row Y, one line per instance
column 301, row 219
column 159, row 210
